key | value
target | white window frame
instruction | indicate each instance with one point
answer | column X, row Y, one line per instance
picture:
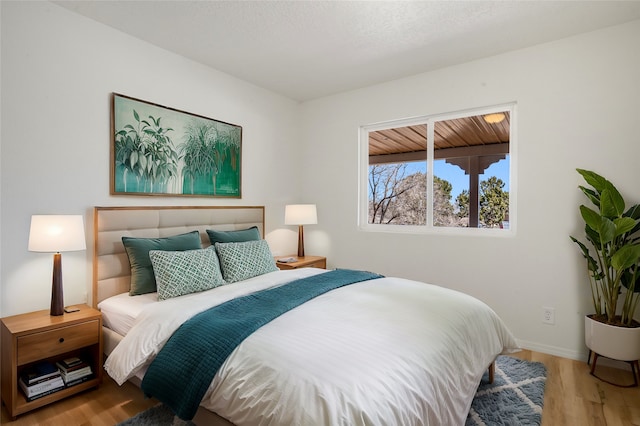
column 429, row 120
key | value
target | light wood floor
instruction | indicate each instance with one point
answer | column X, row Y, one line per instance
column 572, row 397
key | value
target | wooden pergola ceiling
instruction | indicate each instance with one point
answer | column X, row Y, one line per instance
column 455, row 138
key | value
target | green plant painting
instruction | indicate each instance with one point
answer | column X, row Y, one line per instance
column 162, row 151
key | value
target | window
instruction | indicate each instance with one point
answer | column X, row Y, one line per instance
column 443, row 172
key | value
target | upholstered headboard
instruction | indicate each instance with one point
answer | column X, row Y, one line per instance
column 111, row 269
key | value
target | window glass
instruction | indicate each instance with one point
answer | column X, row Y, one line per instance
column 449, row 182
column 469, row 186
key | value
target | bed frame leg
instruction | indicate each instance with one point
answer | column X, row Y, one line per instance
column 492, row 371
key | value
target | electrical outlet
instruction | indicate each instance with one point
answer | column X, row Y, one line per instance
column 548, row 315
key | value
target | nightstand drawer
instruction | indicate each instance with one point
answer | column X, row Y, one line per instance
column 41, row 345
column 322, row 264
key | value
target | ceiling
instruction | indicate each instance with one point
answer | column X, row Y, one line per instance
column 310, row 49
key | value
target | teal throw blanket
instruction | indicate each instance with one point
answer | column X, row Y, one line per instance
column 183, row 370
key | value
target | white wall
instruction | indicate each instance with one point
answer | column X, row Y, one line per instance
column 578, row 106
column 58, row 71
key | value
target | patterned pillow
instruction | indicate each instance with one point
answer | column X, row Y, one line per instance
column 240, row 261
column 184, row 272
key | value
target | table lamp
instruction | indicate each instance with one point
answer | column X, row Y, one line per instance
column 56, row 233
column 300, row 214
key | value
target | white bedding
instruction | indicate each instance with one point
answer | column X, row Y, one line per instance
column 119, row 312
column 381, row 352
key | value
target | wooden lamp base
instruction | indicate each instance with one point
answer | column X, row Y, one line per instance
column 300, row 241
column 57, row 299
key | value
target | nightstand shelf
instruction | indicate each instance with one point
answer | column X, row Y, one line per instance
column 34, row 337
column 303, row 262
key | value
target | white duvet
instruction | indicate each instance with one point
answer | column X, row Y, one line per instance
column 388, row 351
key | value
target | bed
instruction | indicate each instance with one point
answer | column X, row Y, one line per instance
column 379, row 350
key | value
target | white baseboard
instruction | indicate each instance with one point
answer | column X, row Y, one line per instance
column 553, row 350
column 575, row 355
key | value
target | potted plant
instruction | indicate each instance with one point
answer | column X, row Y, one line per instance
column 612, row 231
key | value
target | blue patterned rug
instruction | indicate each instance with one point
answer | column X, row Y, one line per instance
column 159, row 415
column 514, row 398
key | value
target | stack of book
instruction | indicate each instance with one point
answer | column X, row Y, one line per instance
column 40, row 380
column 74, row 370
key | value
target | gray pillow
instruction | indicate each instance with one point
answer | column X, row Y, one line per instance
column 183, row 272
column 240, row 261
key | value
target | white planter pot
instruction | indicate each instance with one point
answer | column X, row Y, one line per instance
column 620, row 343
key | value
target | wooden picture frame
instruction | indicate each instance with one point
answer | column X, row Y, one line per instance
column 157, row 150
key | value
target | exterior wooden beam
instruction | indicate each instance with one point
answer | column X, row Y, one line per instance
column 444, row 153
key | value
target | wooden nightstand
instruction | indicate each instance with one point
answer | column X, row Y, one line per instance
column 303, row 262
column 37, row 336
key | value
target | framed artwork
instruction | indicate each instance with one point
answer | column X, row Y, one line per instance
column 157, row 150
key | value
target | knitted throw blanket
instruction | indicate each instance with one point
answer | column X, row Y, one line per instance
column 183, row 370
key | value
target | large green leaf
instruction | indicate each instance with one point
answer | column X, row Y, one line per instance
column 611, row 202
column 585, row 250
column 602, row 225
column 624, row 225
column 592, row 236
column 626, row 257
column 591, row 262
column 627, row 280
column 607, row 230
column 634, row 213
column 591, row 217
column 591, row 194
column 593, row 179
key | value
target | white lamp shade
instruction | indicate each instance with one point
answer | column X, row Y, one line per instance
column 56, row 233
column 300, row 214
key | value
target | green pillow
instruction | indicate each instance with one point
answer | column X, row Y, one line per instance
column 240, row 261
column 184, row 272
column 142, row 278
column 239, row 236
